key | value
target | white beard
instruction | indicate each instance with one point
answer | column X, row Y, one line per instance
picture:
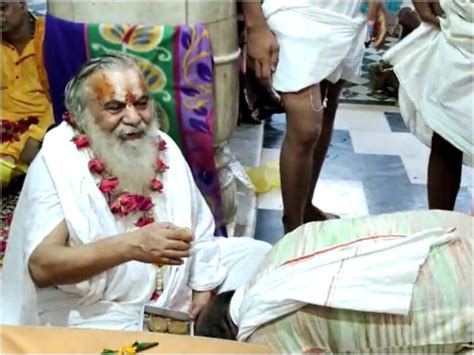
column 132, row 162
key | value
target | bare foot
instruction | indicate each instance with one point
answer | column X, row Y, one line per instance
column 314, row 214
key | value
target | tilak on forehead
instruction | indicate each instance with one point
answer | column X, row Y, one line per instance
column 107, row 87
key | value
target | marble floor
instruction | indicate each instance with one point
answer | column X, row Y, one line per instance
column 374, row 165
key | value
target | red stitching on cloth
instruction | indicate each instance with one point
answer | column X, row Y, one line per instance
column 332, row 287
column 338, row 246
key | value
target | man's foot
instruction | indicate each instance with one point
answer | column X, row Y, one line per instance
column 314, row 214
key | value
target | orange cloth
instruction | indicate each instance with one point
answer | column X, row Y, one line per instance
column 24, row 90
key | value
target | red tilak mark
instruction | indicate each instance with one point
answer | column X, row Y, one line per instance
column 130, row 98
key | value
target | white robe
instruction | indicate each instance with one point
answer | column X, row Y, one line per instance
column 59, row 186
column 435, row 70
column 318, row 40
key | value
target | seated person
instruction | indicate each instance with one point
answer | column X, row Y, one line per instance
column 26, row 110
column 110, row 219
column 437, row 297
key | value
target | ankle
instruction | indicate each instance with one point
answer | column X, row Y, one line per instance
column 290, row 225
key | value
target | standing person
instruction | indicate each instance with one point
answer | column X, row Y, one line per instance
column 305, row 50
column 434, row 67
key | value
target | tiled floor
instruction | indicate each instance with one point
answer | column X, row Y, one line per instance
column 374, row 165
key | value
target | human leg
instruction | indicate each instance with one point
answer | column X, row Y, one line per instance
column 304, row 114
column 331, row 92
column 444, row 174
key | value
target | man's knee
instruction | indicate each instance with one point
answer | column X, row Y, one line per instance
column 304, row 116
column 445, row 149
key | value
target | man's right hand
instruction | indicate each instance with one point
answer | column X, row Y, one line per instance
column 429, row 11
column 263, row 50
column 161, row 244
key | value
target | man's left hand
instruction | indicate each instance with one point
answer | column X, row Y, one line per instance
column 200, row 300
column 378, row 15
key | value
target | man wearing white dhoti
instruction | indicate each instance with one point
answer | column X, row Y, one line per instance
column 305, row 49
column 434, row 66
column 109, row 218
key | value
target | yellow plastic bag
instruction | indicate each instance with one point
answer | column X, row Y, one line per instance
column 265, row 177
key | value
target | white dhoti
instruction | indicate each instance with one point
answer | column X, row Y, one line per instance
column 435, row 70
column 60, row 187
column 318, row 40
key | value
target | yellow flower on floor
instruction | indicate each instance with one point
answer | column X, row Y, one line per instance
column 128, row 350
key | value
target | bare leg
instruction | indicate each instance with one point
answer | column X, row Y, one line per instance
column 444, row 174
column 304, row 124
column 332, row 91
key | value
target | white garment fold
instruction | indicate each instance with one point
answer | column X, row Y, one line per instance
column 60, row 187
column 435, row 70
column 374, row 274
column 318, row 40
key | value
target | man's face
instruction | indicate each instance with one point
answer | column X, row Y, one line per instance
column 12, row 15
column 120, row 104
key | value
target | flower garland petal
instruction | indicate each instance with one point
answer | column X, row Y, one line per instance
column 162, row 146
column 108, row 185
column 96, row 166
column 144, row 203
column 81, row 141
column 160, row 166
column 144, row 221
column 156, row 185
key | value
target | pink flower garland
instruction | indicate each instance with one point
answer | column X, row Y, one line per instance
column 124, row 203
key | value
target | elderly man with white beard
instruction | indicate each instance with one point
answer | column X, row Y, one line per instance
column 110, row 219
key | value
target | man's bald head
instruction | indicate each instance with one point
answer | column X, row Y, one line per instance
column 215, row 321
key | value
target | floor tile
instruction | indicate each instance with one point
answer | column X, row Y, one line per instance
column 343, row 166
column 361, row 119
column 269, row 155
column 275, row 130
column 269, row 226
column 387, row 143
column 270, row 200
column 343, row 197
column 395, row 120
column 464, row 201
column 390, row 194
column 416, row 166
column 244, row 137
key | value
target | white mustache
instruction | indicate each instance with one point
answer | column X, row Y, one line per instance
column 123, row 130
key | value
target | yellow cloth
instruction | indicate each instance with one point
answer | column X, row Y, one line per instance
column 24, row 90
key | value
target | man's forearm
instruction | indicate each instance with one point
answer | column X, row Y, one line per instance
column 253, row 13
column 30, row 150
column 52, row 264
